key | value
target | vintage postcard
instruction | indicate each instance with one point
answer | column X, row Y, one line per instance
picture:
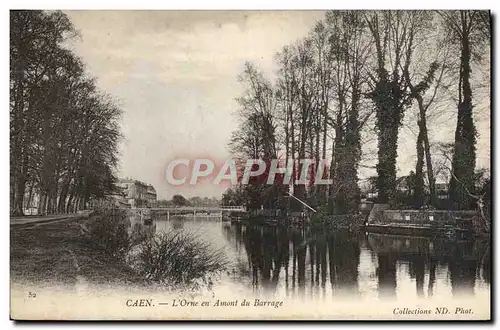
column 250, row 165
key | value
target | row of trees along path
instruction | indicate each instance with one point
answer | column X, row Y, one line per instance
column 63, row 130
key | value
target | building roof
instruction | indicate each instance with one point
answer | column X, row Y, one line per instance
column 126, row 180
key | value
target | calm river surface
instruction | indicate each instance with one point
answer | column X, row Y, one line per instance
column 295, row 263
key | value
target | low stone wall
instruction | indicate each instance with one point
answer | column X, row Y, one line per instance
column 348, row 221
column 424, row 217
column 376, row 211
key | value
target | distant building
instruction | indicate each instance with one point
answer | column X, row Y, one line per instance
column 151, row 195
column 441, row 190
column 404, row 185
column 137, row 193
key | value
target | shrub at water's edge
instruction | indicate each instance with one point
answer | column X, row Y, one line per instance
column 108, row 229
column 178, row 258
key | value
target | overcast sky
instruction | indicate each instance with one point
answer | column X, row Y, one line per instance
column 175, row 76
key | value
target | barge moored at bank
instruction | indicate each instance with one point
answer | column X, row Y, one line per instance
column 424, row 222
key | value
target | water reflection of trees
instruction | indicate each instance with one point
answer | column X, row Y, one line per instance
column 308, row 261
column 314, row 257
column 466, row 262
column 344, row 259
column 268, row 251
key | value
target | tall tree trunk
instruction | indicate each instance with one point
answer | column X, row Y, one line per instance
column 300, row 192
column 293, row 149
column 418, row 195
column 43, row 203
column 427, row 150
column 324, row 189
column 61, row 204
column 21, row 185
column 331, row 187
column 350, row 192
column 387, row 154
column 30, row 197
column 464, row 155
column 316, row 187
column 338, row 154
column 69, row 203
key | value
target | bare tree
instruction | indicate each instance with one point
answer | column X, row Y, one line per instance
column 470, row 30
column 390, row 31
column 424, row 92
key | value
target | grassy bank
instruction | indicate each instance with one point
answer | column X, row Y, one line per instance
column 58, row 252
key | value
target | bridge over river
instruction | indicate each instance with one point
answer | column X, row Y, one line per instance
column 193, row 211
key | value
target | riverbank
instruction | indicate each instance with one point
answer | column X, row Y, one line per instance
column 59, row 252
column 36, row 219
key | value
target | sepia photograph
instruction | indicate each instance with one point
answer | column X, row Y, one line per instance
column 250, row 165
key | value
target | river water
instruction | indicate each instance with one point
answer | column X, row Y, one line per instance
column 300, row 263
